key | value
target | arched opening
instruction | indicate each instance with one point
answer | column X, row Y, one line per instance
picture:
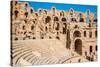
column 45, row 11
column 32, row 27
column 26, row 5
column 90, row 25
column 71, row 11
column 61, row 13
column 26, row 14
column 56, row 19
column 68, row 40
column 76, row 26
column 16, row 38
column 90, row 34
column 36, row 14
column 16, row 13
column 84, row 33
column 96, row 33
column 57, row 37
column 64, row 28
column 81, row 17
column 57, row 27
column 81, row 20
column 40, row 11
column 47, row 19
column 46, row 29
column 77, row 34
column 73, row 20
column 23, row 27
column 53, row 9
column 85, row 53
column 90, row 49
column 63, row 19
column 95, row 20
column 16, row 2
column 88, row 12
column 25, row 21
column 31, row 10
column 78, row 46
column 96, row 48
column 88, row 20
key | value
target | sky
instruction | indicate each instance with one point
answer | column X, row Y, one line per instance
column 62, row 6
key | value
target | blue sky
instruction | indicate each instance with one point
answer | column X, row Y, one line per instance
column 60, row 6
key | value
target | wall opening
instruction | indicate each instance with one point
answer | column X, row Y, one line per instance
column 78, row 46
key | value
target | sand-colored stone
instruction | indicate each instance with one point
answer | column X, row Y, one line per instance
column 51, row 36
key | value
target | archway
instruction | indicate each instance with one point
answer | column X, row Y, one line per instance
column 64, row 28
column 77, row 34
column 78, row 46
column 63, row 19
column 56, row 18
column 91, row 49
column 47, row 19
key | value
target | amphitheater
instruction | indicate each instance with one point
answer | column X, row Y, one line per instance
column 51, row 36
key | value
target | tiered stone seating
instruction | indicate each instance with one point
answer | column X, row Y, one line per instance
column 34, row 53
column 18, row 56
column 40, row 38
column 18, row 52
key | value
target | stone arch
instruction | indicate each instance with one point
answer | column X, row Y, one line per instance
column 78, row 46
column 63, row 19
column 77, row 34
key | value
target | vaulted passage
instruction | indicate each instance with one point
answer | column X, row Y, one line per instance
column 78, row 46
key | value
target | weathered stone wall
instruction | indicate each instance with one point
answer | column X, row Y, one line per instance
column 54, row 24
